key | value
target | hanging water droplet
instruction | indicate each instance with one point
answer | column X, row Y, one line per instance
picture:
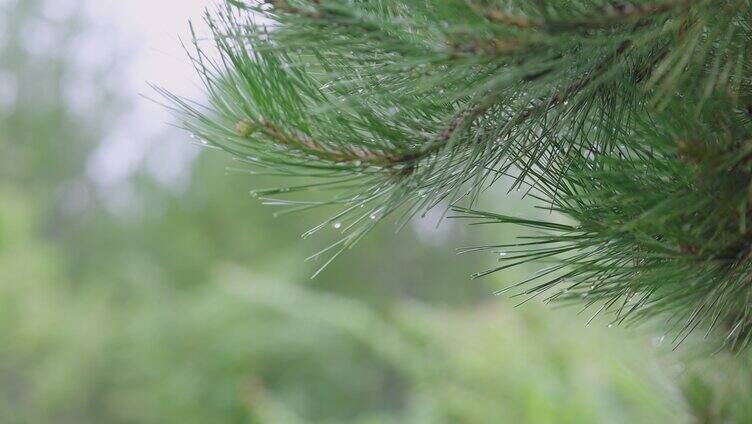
column 373, row 216
column 502, row 253
column 337, row 225
column 657, row 341
column 610, row 325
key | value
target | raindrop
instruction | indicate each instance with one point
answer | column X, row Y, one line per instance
column 657, row 341
column 373, row 216
column 502, row 253
column 337, row 225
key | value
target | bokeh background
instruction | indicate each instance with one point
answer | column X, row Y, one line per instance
column 140, row 283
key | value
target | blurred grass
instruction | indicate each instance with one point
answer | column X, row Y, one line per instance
column 195, row 305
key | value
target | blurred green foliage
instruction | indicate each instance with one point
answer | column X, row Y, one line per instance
column 197, row 307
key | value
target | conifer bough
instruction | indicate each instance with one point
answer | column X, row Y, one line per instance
column 632, row 120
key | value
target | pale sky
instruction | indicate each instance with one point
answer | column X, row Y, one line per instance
column 149, row 31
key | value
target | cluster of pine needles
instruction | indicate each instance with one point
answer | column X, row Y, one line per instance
column 631, row 122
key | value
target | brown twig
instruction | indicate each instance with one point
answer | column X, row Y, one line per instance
column 613, row 14
column 364, row 156
column 283, row 6
column 246, row 127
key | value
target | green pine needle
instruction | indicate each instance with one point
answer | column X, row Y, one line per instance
column 631, row 119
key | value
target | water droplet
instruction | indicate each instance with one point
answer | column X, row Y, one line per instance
column 657, row 341
column 373, row 216
column 337, row 225
column 502, row 253
column 610, row 325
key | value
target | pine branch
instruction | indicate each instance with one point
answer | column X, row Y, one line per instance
column 630, row 119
